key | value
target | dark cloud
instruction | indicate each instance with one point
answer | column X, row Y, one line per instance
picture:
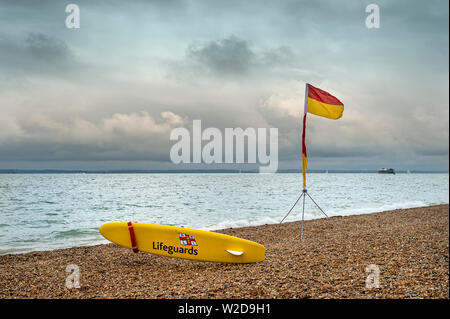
column 47, row 49
column 37, row 54
column 234, row 56
column 225, row 56
column 117, row 137
column 426, row 151
column 67, row 151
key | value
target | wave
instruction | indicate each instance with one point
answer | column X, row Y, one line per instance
column 75, row 233
column 315, row 214
column 14, row 251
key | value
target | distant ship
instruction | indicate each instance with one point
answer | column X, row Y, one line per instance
column 386, row 171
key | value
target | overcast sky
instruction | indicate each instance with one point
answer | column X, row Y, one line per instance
column 108, row 94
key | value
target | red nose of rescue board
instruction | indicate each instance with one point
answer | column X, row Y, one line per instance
column 180, row 242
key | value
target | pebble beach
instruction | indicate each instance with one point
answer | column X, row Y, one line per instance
column 406, row 249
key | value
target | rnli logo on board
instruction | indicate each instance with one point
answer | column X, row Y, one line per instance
column 187, row 240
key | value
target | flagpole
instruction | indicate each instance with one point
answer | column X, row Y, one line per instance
column 304, row 156
column 303, row 214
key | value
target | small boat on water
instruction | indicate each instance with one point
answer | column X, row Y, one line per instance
column 386, row 171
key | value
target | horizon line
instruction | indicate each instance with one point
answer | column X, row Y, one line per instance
column 197, row 171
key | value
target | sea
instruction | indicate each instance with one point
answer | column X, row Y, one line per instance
column 52, row 211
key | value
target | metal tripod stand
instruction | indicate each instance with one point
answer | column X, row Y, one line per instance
column 304, row 194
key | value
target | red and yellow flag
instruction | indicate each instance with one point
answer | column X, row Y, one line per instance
column 323, row 103
column 320, row 103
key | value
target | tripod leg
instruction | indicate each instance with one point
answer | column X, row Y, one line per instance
column 334, row 226
column 292, row 208
column 317, row 205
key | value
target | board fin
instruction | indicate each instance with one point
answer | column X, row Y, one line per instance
column 234, row 252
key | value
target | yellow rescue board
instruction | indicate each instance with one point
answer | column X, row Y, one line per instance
column 188, row 243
